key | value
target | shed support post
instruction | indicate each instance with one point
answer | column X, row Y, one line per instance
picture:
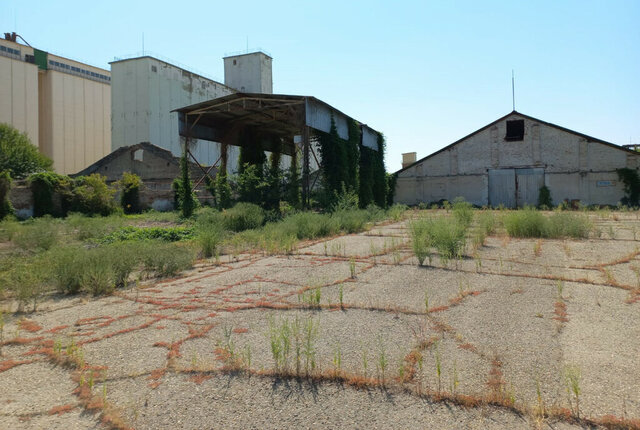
column 223, row 157
column 305, row 167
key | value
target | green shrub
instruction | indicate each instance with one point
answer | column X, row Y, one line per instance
column 43, row 186
column 130, row 197
column 487, row 222
column 309, row 225
column 345, row 200
column 5, row 187
column 8, row 229
column 124, row 258
column 243, row 216
column 631, row 180
column 18, row 155
column 131, row 233
column 446, row 235
column 531, row 223
column 566, row 224
column 351, row 221
column 167, row 259
column 98, row 277
column 210, row 232
column 25, row 278
column 222, row 190
column 67, row 268
column 525, row 223
column 251, row 183
column 544, row 198
column 420, row 239
column 91, row 195
column 38, row 234
column 462, row 211
column 85, row 227
column 185, row 196
column 397, row 211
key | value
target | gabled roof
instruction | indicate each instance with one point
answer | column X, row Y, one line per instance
column 146, row 146
column 589, row 138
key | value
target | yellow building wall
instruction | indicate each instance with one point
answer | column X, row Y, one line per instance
column 76, row 120
column 19, row 96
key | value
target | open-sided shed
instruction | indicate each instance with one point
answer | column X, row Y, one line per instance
column 267, row 122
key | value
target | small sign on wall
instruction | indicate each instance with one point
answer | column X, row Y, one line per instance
column 605, row 183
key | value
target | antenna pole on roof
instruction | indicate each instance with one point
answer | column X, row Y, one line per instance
column 513, row 90
column 143, row 43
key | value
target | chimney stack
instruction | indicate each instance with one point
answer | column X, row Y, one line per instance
column 408, row 158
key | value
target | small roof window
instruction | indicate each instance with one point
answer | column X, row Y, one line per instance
column 515, row 130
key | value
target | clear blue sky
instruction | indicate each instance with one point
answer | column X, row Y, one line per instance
column 424, row 73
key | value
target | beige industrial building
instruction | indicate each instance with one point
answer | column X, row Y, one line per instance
column 509, row 160
column 63, row 105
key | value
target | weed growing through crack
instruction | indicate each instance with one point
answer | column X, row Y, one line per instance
column 572, row 376
column 455, row 381
column 426, row 301
column 560, row 289
column 309, row 348
column 311, row 298
column 341, row 296
column 285, row 335
column 246, row 356
column 437, row 357
column 537, row 248
column 478, row 261
column 609, row 275
column 337, row 360
column 383, row 360
column 352, row 268
column 373, row 251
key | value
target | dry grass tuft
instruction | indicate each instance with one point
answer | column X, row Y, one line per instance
column 30, row 326
column 63, row 409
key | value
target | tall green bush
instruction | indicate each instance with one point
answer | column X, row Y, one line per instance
column 91, row 195
column 544, row 198
column 43, row 186
column 18, row 155
column 293, row 183
column 243, row 216
column 223, row 189
column 130, row 196
column 251, row 183
column 631, row 181
column 185, row 196
column 5, row 187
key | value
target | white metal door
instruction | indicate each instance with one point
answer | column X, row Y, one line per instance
column 528, row 184
column 502, row 187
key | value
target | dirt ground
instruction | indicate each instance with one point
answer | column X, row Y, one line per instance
column 491, row 341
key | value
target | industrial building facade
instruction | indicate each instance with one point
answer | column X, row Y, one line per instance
column 508, row 161
column 63, row 105
column 145, row 91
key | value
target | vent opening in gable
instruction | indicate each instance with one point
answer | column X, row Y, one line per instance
column 515, row 130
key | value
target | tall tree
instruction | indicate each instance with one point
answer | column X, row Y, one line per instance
column 18, row 156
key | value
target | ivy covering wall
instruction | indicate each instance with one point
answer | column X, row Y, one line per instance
column 348, row 166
